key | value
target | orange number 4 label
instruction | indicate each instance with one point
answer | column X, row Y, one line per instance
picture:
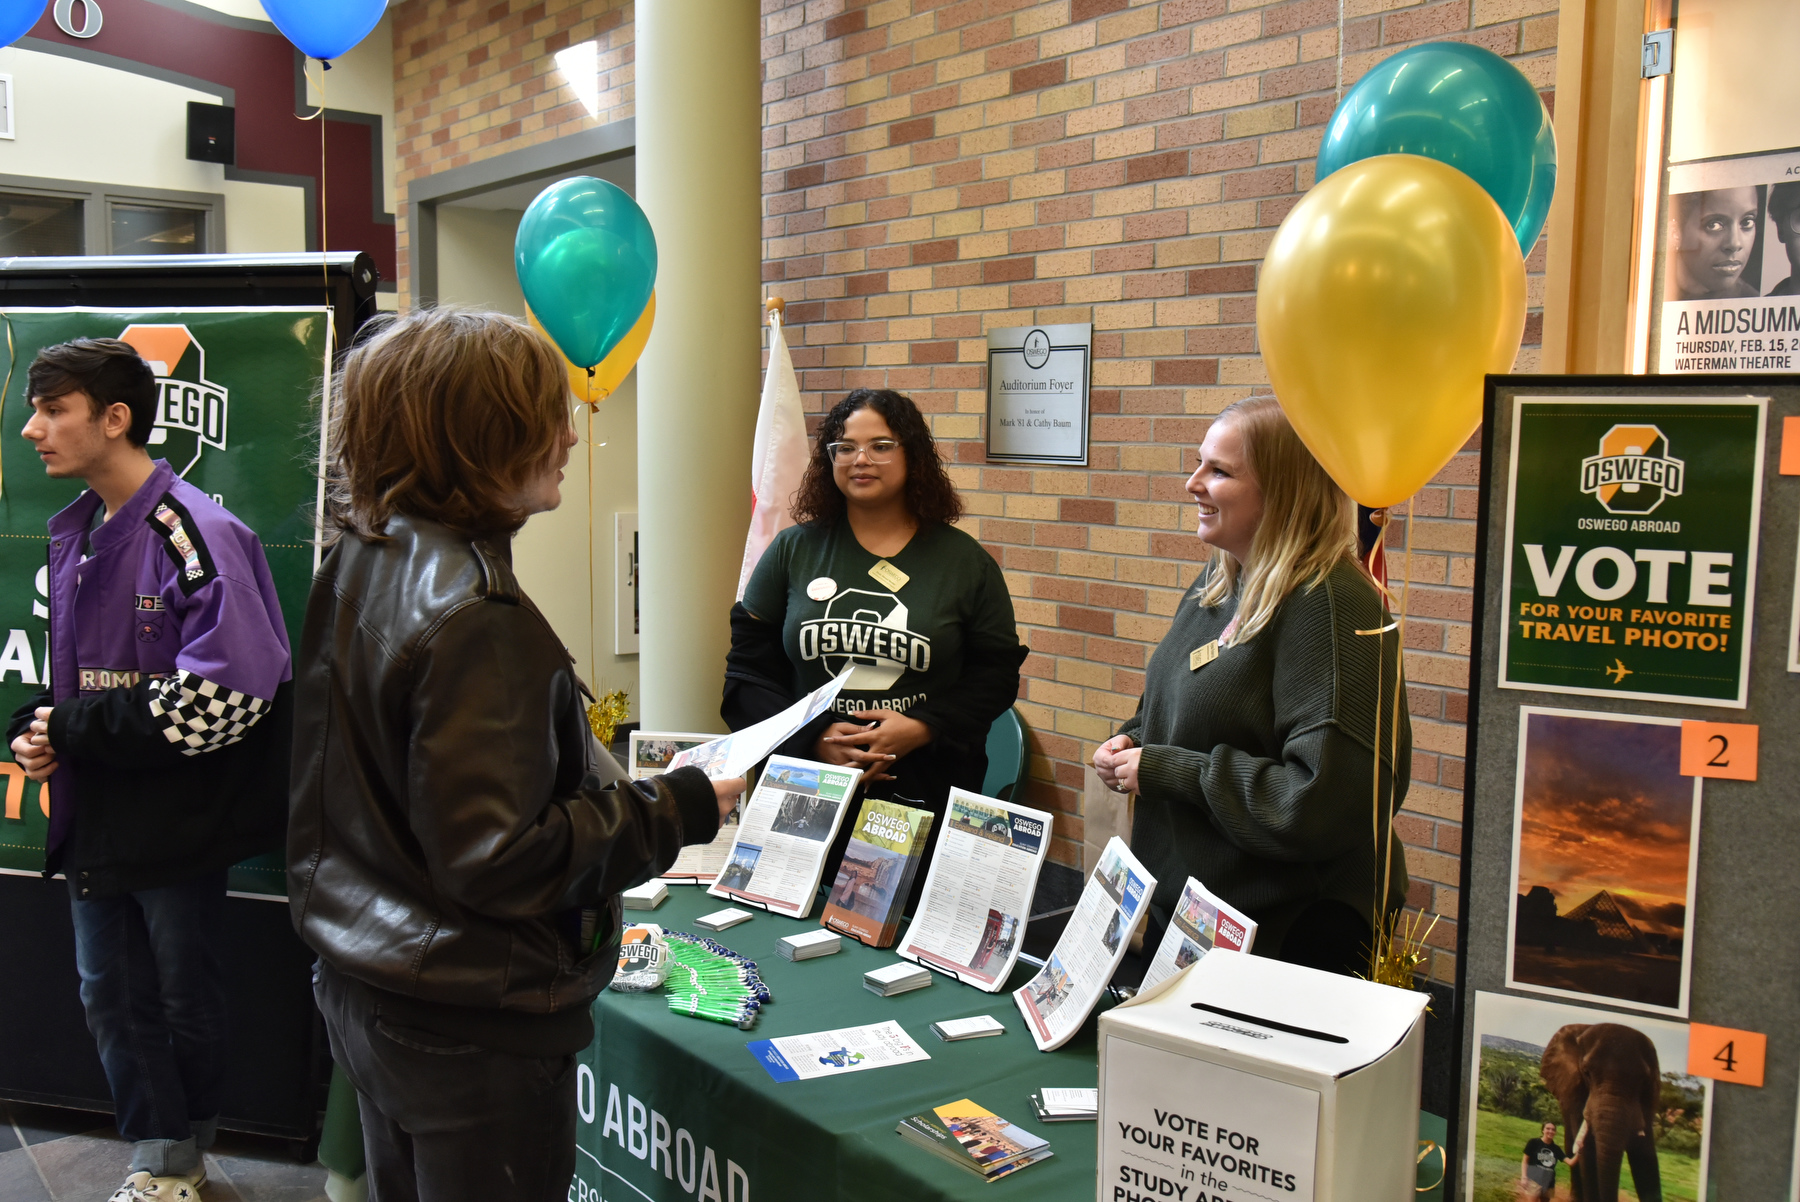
column 1725, row 1054
column 1723, row 749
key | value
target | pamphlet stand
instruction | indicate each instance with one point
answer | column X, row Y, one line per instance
column 1243, row 1078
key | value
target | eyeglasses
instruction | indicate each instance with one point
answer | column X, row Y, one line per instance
column 879, row 451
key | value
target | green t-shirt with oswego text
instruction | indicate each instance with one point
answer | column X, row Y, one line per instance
column 907, row 644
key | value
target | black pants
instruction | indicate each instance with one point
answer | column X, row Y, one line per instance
column 1331, row 937
column 445, row 1121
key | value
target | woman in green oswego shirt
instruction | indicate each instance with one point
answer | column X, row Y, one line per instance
column 1253, row 747
column 875, row 576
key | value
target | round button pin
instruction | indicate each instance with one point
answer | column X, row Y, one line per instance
column 822, row 589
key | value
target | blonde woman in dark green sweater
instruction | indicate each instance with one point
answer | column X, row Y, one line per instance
column 1254, row 746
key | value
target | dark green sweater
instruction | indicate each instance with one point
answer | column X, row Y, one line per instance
column 1256, row 772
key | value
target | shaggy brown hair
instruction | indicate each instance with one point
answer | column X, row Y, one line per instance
column 443, row 414
column 930, row 497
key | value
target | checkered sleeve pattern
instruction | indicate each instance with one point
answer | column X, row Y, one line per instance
column 201, row 716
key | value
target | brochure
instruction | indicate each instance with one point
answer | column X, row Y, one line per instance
column 876, row 873
column 834, row 1053
column 784, row 834
column 736, row 753
column 974, row 1138
column 970, row 922
column 1201, row 923
column 1064, row 992
column 654, row 751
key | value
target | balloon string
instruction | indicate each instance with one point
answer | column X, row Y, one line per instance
column 593, row 638
column 1399, row 690
column 324, row 218
column 12, row 361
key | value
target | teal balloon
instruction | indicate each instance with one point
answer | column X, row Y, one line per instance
column 1461, row 105
column 586, row 259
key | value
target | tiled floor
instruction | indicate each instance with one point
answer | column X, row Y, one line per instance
column 51, row 1155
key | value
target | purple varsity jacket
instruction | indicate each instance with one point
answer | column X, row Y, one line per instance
column 176, row 591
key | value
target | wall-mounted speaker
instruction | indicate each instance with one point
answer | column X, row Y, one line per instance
column 211, row 133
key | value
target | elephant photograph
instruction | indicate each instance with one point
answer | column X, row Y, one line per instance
column 1568, row 1102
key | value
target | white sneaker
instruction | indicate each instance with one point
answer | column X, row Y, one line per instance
column 142, row 1187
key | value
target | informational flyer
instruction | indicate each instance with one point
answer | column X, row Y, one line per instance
column 834, row 1053
column 783, row 835
column 1064, row 992
column 1631, row 542
column 738, row 752
column 654, row 752
column 970, row 921
column 1731, row 270
column 1200, row 923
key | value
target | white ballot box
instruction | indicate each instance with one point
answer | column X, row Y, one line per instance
column 1244, row 1079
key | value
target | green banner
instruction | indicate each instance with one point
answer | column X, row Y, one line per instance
column 234, row 418
column 1631, row 547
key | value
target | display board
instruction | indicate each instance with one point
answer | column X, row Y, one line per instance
column 235, row 418
column 1628, row 890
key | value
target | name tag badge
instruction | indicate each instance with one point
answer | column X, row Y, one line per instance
column 887, row 574
column 1202, row 655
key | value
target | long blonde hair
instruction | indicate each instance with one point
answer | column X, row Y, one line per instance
column 1308, row 524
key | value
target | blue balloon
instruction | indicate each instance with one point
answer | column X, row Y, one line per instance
column 1461, row 105
column 586, row 259
column 325, row 29
column 17, row 17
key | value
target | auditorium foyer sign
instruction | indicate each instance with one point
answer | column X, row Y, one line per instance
column 1631, row 529
column 1038, row 394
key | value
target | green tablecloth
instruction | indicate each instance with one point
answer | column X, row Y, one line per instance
column 810, row 1140
column 735, row 1134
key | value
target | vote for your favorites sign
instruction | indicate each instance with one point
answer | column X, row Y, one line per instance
column 1631, row 547
column 1038, row 394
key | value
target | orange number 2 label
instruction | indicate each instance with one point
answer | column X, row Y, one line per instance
column 1721, row 749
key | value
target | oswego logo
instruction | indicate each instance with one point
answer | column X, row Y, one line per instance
column 190, row 409
column 868, row 630
column 1634, row 472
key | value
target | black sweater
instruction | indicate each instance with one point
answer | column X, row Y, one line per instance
column 1256, row 774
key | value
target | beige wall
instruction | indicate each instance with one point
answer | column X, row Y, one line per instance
column 1736, row 87
column 475, row 258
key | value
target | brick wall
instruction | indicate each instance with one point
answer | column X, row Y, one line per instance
column 477, row 78
column 935, row 168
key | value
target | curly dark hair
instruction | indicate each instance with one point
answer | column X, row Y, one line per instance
column 930, row 497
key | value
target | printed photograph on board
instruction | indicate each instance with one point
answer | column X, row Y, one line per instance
column 1631, row 542
column 1566, row 1102
column 1731, row 265
column 1605, row 842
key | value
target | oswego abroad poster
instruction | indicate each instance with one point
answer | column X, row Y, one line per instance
column 1631, row 547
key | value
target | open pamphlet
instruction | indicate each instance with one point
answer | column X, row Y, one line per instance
column 1201, row 922
column 1064, row 992
column 974, row 1138
column 655, row 751
column 970, row 921
column 738, row 752
column 784, row 834
column 876, row 874
column 834, row 1053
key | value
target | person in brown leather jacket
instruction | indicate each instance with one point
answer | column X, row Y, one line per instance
column 457, row 839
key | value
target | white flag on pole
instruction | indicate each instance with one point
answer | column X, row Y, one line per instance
column 778, row 459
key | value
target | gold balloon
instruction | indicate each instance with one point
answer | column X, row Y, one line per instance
column 1387, row 295
column 611, row 371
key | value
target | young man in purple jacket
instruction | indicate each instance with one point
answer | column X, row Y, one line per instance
column 166, row 732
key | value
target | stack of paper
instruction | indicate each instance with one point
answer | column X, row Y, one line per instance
column 647, row 896
column 808, row 946
column 952, row 1029
column 1066, row 1105
column 896, row 978
column 972, row 1138
column 720, row 920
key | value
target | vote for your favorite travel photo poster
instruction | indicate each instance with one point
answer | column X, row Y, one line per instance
column 1606, row 834
column 1550, row 1081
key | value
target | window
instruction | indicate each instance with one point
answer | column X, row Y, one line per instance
column 142, row 229
column 41, row 225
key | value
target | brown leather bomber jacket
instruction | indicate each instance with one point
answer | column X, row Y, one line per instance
column 451, row 813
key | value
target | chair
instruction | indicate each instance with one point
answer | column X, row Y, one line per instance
column 1007, row 764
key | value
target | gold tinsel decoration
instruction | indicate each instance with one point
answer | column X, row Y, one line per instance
column 1400, row 950
column 605, row 715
